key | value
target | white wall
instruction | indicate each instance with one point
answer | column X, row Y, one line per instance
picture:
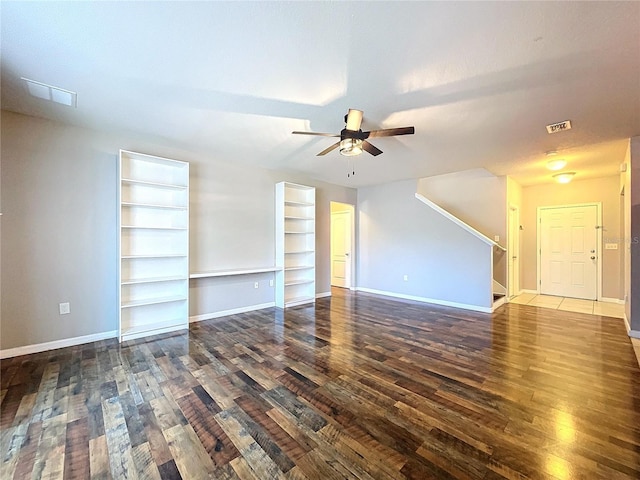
column 399, row 235
column 59, row 228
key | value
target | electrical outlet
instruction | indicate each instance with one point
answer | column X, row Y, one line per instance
column 271, row 283
column 496, row 238
column 64, row 308
column 255, row 285
column 406, row 278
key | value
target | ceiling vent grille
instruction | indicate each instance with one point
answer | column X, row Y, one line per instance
column 51, row 93
column 559, row 127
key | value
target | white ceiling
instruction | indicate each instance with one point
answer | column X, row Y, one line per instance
column 231, row 80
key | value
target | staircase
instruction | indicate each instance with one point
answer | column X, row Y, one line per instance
column 499, row 295
column 496, row 292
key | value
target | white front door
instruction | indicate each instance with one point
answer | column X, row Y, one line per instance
column 341, row 264
column 513, row 251
column 568, row 251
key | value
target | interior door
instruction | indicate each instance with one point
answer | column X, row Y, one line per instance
column 568, row 251
column 513, row 252
column 341, row 264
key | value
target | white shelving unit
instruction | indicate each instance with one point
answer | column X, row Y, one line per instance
column 295, row 244
column 154, row 245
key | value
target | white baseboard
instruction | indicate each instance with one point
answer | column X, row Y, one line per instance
column 611, row 300
column 65, row 342
column 233, row 311
column 631, row 333
column 323, row 294
column 446, row 303
column 525, row 290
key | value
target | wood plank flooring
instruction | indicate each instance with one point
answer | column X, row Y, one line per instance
column 356, row 387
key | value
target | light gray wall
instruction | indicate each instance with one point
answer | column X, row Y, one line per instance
column 478, row 198
column 59, row 232
column 399, row 235
column 59, row 228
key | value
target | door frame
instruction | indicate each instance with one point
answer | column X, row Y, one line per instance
column 352, row 257
column 598, row 206
column 513, row 247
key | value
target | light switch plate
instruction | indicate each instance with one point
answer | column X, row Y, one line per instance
column 610, row 246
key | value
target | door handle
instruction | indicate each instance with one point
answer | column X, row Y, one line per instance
column 346, row 254
column 593, row 258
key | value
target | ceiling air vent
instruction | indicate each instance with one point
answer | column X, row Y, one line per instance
column 559, row 127
column 51, row 93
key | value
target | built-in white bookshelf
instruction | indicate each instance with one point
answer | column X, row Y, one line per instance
column 295, row 244
column 154, row 245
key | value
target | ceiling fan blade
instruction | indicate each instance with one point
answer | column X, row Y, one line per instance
column 390, row 132
column 317, row 133
column 375, row 151
column 354, row 119
column 328, row 149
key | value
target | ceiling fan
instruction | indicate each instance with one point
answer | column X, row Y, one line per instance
column 353, row 140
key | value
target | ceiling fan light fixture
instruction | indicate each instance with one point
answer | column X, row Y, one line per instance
column 350, row 147
column 564, row 177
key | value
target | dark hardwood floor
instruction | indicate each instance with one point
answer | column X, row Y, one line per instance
column 357, row 386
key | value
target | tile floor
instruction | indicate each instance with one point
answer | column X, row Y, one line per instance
column 570, row 304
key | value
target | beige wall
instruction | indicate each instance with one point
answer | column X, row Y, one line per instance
column 604, row 190
column 514, row 199
column 633, row 312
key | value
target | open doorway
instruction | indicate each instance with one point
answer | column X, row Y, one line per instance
column 342, row 244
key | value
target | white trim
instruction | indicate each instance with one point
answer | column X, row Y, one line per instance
column 526, row 290
column 323, row 294
column 65, row 342
column 232, row 311
column 153, row 331
column 498, row 303
column 475, row 308
column 598, row 206
column 239, row 271
column 513, row 250
column 459, row 222
column 611, row 300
